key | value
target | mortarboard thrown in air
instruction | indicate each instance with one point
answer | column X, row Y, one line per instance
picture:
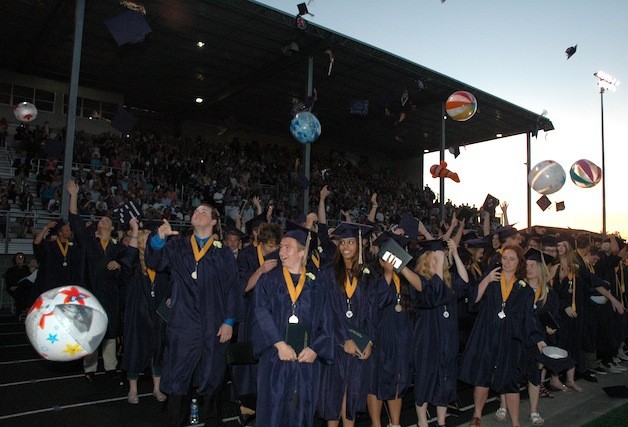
column 570, row 51
column 129, row 27
column 303, row 9
column 544, row 202
column 124, row 122
column 490, row 204
column 560, row 206
column 464, row 214
column 302, row 181
column 123, row 214
column 537, row 255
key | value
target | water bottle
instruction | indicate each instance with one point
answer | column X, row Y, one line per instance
column 194, row 412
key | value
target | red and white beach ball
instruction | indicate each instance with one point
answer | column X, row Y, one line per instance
column 66, row 323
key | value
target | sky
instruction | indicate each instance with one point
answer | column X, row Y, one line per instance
column 514, row 50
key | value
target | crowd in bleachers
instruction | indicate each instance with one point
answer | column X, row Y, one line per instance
column 169, row 176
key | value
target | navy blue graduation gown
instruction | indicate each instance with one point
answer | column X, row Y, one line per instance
column 105, row 284
column 327, row 248
column 143, row 327
column 436, row 341
column 391, row 364
column 550, row 305
column 246, row 375
column 51, row 269
column 494, row 353
column 288, row 391
column 571, row 334
column 350, row 374
column 193, row 353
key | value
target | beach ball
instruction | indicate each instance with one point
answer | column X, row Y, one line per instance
column 586, row 174
column 461, row 106
column 305, row 127
column 547, row 177
column 25, row 112
column 66, row 323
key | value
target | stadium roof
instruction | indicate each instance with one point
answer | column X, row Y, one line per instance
column 253, row 64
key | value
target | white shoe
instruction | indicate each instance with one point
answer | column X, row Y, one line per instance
column 611, row 368
column 622, row 355
column 616, row 360
column 621, row 368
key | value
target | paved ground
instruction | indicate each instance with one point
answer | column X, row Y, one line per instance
column 36, row 392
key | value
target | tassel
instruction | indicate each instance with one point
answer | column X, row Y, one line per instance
column 360, row 260
column 307, row 249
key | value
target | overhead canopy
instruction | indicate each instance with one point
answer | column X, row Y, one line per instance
column 252, row 66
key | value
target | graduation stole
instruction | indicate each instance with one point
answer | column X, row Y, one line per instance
column 537, row 293
column 620, row 281
column 199, row 253
column 476, row 269
column 572, row 281
column 397, row 282
column 64, row 248
column 350, row 287
column 152, row 274
column 104, row 244
column 294, row 291
column 506, row 288
column 260, row 257
column 316, row 259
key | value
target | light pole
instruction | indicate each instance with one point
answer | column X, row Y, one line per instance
column 605, row 83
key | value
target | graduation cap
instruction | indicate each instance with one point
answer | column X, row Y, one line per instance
column 255, row 222
column 544, row 202
column 470, row 235
column 125, row 213
column 550, row 241
column 302, row 181
column 386, row 235
column 234, row 232
column 490, row 204
column 57, row 228
column 620, row 391
column 570, row 51
column 293, row 226
column 477, row 243
column 555, row 359
column 506, row 231
column 538, row 256
column 560, row 206
column 464, row 214
column 455, row 150
column 303, row 9
column 433, row 245
column 348, row 230
column 129, row 27
column 124, row 121
column 410, row 226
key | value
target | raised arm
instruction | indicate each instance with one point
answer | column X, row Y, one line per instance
column 371, row 216
column 322, row 212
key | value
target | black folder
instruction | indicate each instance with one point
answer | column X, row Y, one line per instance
column 163, row 310
column 548, row 320
column 298, row 336
column 389, row 247
column 361, row 339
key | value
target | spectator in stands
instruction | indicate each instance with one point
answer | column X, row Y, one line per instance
column 17, row 289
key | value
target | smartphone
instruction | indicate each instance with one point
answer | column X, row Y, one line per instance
column 498, row 264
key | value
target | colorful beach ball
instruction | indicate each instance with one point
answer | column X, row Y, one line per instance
column 66, row 323
column 25, row 112
column 461, row 106
column 305, row 127
column 547, row 177
column 585, row 174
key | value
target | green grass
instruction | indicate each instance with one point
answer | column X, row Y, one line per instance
column 617, row 417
